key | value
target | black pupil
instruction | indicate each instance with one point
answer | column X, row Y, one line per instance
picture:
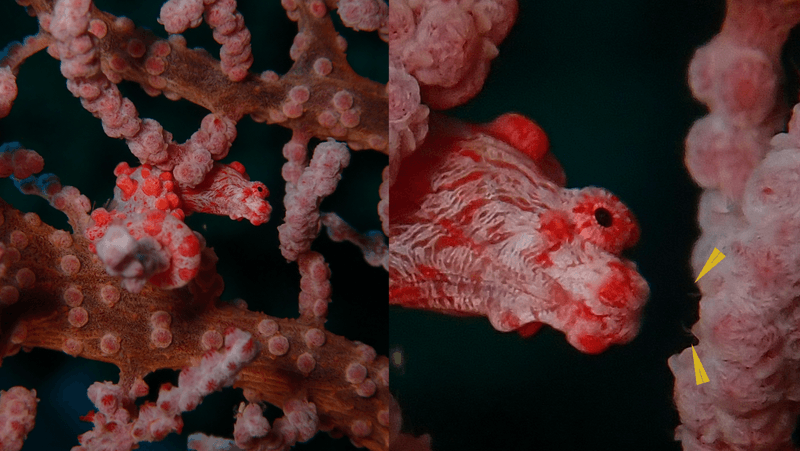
column 603, row 217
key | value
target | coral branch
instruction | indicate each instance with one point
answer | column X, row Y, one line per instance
column 79, row 313
column 318, row 180
column 135, row 285
column 169, row 66
column 748, row 328
column 17, row 413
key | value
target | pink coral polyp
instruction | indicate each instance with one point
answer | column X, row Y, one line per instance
column 446, row 40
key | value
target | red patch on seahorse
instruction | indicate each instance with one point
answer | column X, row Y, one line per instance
column 530, row 329
column 455, row 237
column 544, row 260
column 521, row 133
column 618, row 289
column 555, row 225
column 464, row 180
column 429, row 272
column 409, row 295
column 467, row 213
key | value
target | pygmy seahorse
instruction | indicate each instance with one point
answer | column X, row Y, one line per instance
column 481, row 224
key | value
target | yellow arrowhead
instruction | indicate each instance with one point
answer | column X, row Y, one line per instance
column 699, row 372
column 715, row 258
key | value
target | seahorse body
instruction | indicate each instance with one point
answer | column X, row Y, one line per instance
column 481, row 224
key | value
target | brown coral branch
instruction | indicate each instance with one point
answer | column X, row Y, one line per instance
column 138, row 55
column 55, row 294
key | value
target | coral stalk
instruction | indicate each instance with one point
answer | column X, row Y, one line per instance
column 747, row 331
column 134, row 285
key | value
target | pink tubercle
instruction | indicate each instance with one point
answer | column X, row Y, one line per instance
column 270, row 76
column 327, row 119
column 139, row 388
column 98, row 28
column 70, row 265
column 366, row 353
column 383, row 417
column 211, row 340
column 299, row 94
column 361, row 428
column 268, row 327
column 109, row 295
column 61, row 239
column 155, row 65
column 160, row 49
column 161, row 338
column 278, row 345
column 315, row 338
column 109, row 344
column 323, row 66
column 355, row 373
column 19, row 334
column 136, row 48
column 78, row 317
column 25, row 278
column 73, row 296
column 32, row 219
column 160, row 319
column 8, row 295
column 18, row 239
column 318, row 9
column 342, row 100
column 366, row 389
column 72, row 346
column 350, row 118
column 341, row 43
column 306, row 363
column 124, row 24
column 292, row 110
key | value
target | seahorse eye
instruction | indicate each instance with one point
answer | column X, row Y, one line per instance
column 603, row 217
